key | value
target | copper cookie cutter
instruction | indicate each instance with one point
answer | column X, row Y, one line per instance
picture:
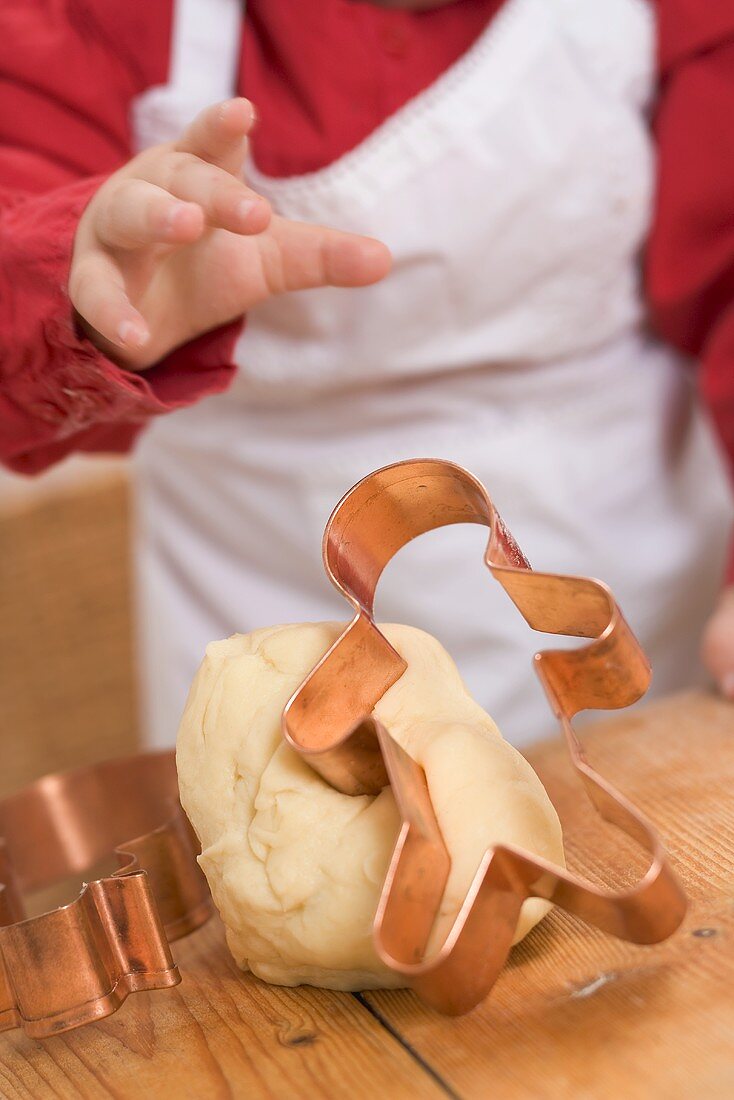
column 329, row 722
column 78, row 963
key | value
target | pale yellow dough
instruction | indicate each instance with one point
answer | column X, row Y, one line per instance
column 295, row 867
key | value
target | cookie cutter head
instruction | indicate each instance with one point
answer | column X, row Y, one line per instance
column 78, row 963
column 329, row 721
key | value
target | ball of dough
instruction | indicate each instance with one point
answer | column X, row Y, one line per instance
column 295, row 867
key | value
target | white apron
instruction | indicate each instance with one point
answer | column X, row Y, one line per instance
column 515, row 196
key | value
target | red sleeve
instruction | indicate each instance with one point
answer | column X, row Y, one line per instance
column 690, row 260
column 67, row 81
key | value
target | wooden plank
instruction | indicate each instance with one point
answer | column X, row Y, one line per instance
column 220, row 1034
column 577, row 1013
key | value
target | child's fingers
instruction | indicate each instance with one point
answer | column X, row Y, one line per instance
column 227, row 203
column 97, row 292
column 297, row 256
column 218, row 134
column 140, row 213
column 718, row 644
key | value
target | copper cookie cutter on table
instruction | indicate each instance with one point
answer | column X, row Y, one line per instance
column 78, row 963
column 329, row 722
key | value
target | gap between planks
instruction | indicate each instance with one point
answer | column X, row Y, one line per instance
column 409, row 1049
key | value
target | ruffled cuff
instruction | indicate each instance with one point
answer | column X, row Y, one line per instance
column 55, row 384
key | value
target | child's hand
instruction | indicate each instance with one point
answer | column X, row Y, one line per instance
column 175, row 244
column 718, row 643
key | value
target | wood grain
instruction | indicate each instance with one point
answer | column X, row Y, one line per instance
column 576, row 1014
column 220, row 1034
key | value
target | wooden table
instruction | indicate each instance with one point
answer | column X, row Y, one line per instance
column 575, row 1014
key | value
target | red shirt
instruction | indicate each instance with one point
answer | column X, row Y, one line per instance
column 323, row 77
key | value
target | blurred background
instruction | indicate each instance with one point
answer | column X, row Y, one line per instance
column 67, row 689
column 512, row 337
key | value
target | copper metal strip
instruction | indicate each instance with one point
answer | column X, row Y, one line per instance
column 78, row 963
column 329, row 721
